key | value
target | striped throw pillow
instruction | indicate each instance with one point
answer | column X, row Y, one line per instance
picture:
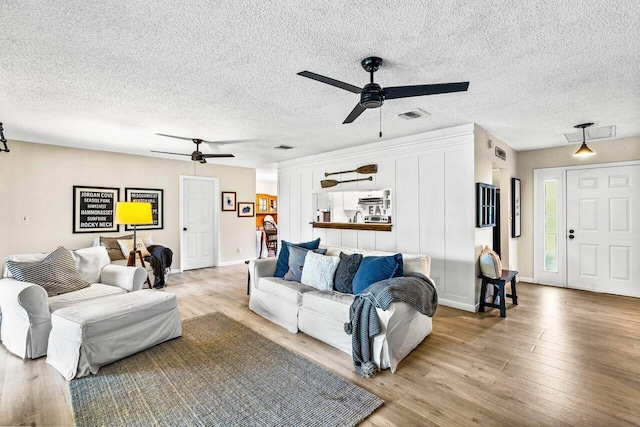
column 57, row 273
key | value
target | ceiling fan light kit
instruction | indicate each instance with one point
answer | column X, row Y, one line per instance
column 373, row 96
column 584, row 151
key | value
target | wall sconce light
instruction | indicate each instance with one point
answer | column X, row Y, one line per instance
column 584, row 151
column 4, row 141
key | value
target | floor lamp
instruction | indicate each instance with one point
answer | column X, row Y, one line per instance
column 134, row 213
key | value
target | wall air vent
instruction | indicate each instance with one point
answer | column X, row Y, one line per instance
column 604, row 132
column 413, row 114
column 283, row 147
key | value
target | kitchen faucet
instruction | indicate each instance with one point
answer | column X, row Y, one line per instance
column 355, row 216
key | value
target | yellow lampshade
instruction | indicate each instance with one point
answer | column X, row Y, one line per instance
column 133, row 213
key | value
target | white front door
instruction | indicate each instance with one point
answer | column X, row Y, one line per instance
column 603, row 229
column 199, row 223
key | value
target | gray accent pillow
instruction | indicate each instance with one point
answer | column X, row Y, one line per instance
column 346, row 272
column 113, row 248
column 296, row 261
column 57, row 273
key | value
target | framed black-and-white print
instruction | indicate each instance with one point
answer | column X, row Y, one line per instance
column 229, row 201
column 485, row 205
column 94, row 209
column 516, row 218
column 149, row 195
column 246, row 209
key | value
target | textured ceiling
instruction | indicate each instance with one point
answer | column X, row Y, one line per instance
column 109, row 75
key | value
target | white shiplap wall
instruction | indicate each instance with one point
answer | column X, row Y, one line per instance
column 431, row 177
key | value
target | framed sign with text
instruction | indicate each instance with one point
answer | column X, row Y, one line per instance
column 150, row 195
column 94, row 209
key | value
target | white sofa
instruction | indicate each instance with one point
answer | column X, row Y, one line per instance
column 322, row 315
column 26, row 308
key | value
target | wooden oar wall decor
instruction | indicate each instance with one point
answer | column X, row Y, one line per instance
column 326, row 183
column 362, row 169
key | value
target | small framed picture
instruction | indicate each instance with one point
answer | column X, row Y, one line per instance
column 246, row 209
column 229, row 201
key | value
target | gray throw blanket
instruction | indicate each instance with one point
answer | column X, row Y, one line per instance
column 415, row 289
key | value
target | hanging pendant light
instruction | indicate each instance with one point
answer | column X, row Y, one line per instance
column 584, row 151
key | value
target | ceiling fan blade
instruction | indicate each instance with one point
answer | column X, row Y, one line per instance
column 354, row 113
column 214, row 156
column 167, row 152
column 420, row 90
column 229, row 141
column 174, row 136
column 330, row 81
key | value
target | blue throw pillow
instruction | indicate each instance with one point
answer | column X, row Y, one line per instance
column 282, row 266
column 375, row 268
column 296, row 261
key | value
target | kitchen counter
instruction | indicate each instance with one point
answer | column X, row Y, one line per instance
column 352, row 226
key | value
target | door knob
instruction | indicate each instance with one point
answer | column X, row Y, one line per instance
column 184, row 229
column 571, row 231
column 571, row 236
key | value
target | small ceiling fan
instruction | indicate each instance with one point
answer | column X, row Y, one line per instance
column 197, row 155
column 373, row 96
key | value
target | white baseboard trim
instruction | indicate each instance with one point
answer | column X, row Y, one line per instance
column 459, row 305
column 226, row 263
column 175, row 270
column 525, row 279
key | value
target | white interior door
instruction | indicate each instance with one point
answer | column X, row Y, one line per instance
column 603, row 229
column 199, row 223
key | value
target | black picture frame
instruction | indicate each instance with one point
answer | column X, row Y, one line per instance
column 94, row 209
column 228, row 202
column 155, row 196
column 486, row 205
column 246, row 209
column 516, row 217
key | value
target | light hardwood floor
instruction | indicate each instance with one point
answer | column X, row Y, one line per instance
column 562, row 357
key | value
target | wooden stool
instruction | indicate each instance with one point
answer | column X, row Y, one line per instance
column 131, row 262
column 499, row 291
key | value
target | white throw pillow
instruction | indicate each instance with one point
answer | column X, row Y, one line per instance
column 147, row 240
column 90, row 262
column 319, row 270
column 490, row 264
column 127, row 246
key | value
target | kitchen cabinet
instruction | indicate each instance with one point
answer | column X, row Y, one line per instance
column 351, row 201
column 266, row 204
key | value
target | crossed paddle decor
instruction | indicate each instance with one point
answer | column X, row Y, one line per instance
column 326, row 183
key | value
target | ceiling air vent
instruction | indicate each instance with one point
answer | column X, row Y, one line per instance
column 604, row 132
column 413, row 114
column 283, row 147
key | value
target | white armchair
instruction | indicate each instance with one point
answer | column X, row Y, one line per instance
column 26, row 309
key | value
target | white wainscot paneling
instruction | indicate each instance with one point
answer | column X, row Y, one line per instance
column 459, row 236
column 321, row 233
column 294, row 208
column 350, row 238
column 307, row 213
column 432, row 208
column 334, row 237
column 284, row 197
column 366, row 239
column 386, row 241
column 407, row 214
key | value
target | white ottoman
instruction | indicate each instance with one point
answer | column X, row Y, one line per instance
column 89, row 335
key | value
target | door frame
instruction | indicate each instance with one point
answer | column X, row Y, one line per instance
column 216, row 217
column 538, row 215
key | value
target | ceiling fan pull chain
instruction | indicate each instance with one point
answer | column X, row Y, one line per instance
column 380, row 121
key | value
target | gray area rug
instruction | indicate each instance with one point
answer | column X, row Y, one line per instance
column 219, row 373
